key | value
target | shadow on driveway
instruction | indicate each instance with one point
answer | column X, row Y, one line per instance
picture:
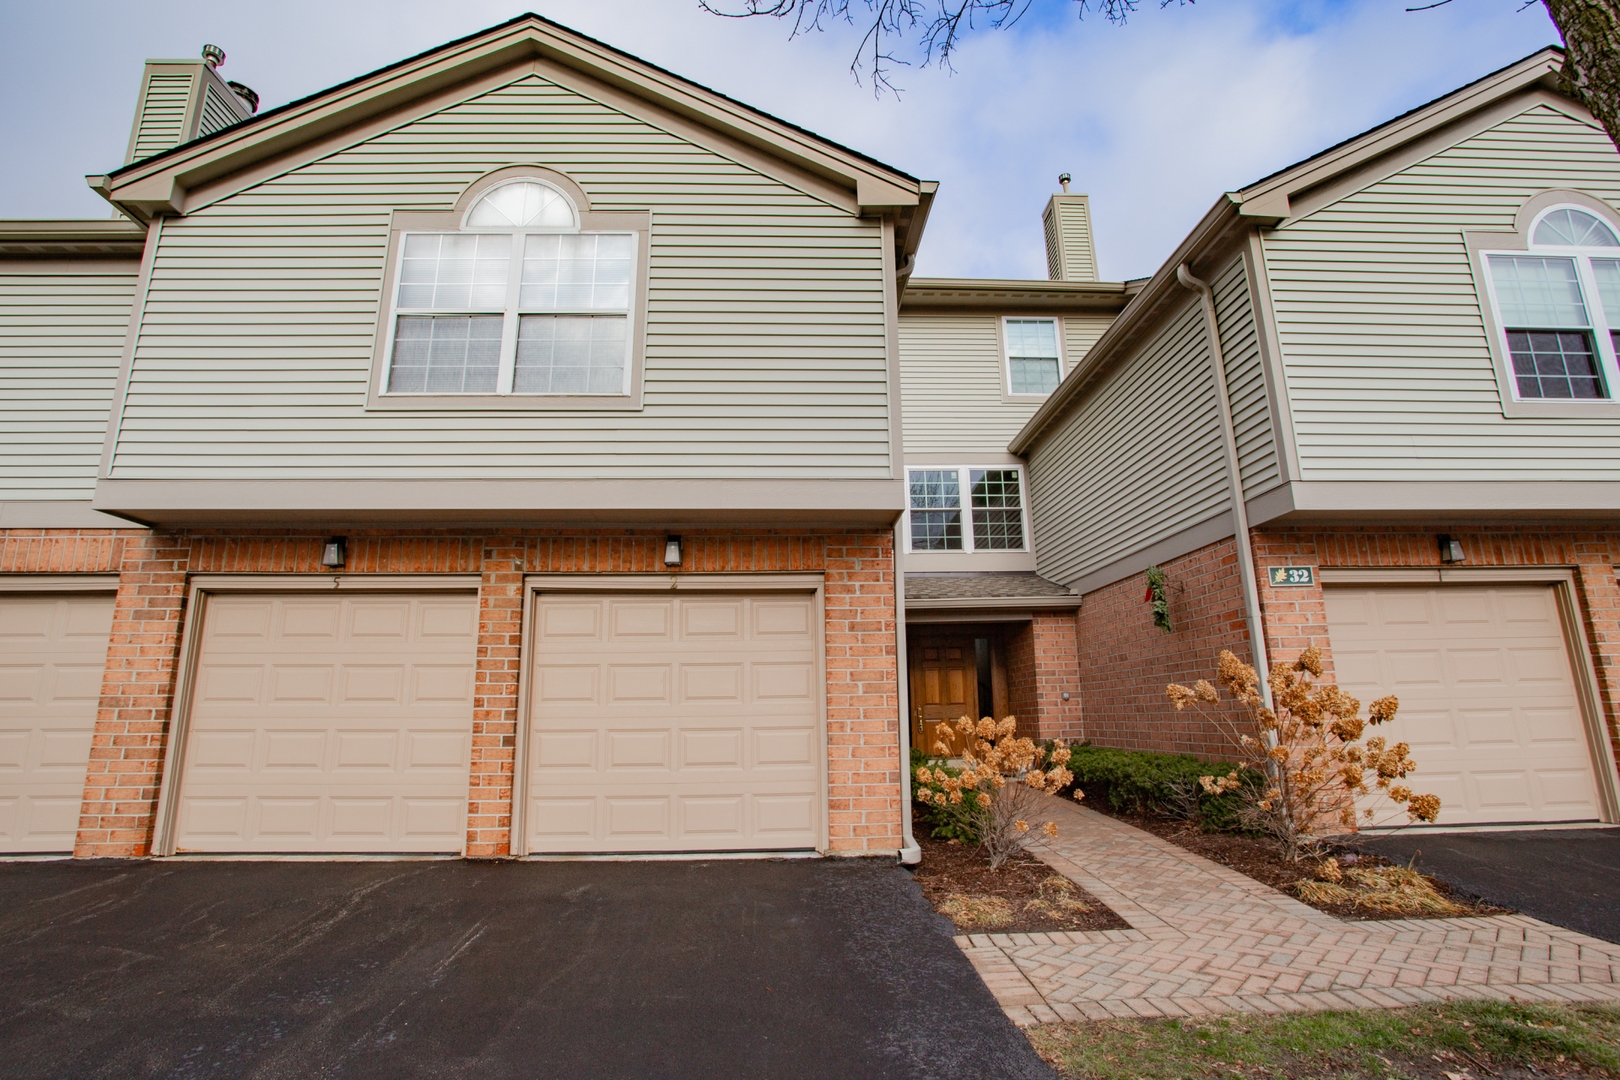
column 1568, row 877
column 768, row 968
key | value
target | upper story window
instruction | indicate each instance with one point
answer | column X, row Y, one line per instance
column 1558, row 307
column 1034, row 363
column 990, row 518
column 520, row 300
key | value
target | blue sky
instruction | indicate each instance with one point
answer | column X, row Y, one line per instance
column 1154, row 118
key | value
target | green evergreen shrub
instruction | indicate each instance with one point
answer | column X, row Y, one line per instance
column 1140, row 782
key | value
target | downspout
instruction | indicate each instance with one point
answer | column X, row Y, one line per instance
column 911, row 854
column 1234, row 481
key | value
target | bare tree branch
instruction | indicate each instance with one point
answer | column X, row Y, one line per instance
column 935, row 28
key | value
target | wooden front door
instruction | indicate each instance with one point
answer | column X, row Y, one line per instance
column 944, row 688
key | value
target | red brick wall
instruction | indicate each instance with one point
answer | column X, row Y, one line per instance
column 1043, row 663
column 1125, row 661
column 138, row 688
column 1297, row 617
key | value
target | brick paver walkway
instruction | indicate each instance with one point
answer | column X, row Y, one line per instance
column 1206, row 939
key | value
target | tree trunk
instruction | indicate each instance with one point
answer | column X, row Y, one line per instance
column 1591, row 30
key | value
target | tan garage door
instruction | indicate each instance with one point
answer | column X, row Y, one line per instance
column 329, row 724
column 52, row 649
column 686, row 723
column 1488, row 700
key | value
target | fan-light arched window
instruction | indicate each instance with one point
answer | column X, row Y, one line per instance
column 1558, row 306
column 520, row 300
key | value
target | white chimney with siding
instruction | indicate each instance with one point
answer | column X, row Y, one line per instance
column 183, row 100
column 1070, row 255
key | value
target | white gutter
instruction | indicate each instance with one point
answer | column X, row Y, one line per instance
column 1234, row 480
column 911, row 853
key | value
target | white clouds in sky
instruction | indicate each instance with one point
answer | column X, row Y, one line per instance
column 1154, row 119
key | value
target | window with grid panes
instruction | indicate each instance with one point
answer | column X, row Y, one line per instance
column 518, row 302
column 990, row 518
column 936, row 510
column 997, row 510
column 1033, row 360
column 1558, row 305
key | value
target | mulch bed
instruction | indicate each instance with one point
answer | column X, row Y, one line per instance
column 953, row 869
column 1256, row 858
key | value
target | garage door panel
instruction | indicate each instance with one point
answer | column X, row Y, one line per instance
column 1487, row 695
column 713, row 621
column 636, row 621
column 52, row 652
column 659, row 724
column 351, row 731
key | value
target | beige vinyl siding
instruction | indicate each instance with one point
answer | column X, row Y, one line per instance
column 1080, row 333
column 163, row 115
column 1245, row 379
column 1073, row 232
column 216, row 111
column 766, row 348
column 62, row 328
column 1137, row 460
column 1054, row 249
column 1387, row 365
column 951, row 386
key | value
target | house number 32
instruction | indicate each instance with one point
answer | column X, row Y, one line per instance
column 1292, row 575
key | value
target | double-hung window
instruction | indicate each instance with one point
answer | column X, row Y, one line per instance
column 519, row 301
column 988, row 516
column 1558, row 307
column 1034, row 364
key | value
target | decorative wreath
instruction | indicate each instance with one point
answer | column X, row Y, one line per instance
column 1156, row 597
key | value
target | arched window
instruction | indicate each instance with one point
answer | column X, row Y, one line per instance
column 521, row 300
column 1558, row 305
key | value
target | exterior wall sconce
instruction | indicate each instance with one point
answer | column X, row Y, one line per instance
column 332, row 553
column 672, row 551
column 1451, row 551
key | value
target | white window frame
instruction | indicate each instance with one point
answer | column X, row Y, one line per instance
column 637, row 225
column 1004, row 341
column 964, row 481
column 1483, row 244
column 1598, row 325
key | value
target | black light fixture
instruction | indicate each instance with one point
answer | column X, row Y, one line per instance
column 332, row 553
column 672, row 551
column 1451, row 551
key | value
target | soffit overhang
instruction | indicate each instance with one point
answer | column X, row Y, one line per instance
column 75, row 239
column 158, row 185
column 971, row 294
column 1276, row 199
column 536, row 503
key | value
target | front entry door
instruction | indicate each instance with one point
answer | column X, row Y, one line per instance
column 944, row 688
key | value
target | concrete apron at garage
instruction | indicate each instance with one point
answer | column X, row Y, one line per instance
column 778, row 968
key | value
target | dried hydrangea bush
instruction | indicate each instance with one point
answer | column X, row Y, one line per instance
column 1309, row 754
column 996, row 796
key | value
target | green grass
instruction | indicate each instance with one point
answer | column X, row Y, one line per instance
column 1473, row 1039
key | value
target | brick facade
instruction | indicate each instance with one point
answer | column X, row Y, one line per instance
column 1125, row 661
column 1043, row 663
column 138, row 688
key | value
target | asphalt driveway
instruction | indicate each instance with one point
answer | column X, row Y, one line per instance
column 767, row 968
column 1568, row 877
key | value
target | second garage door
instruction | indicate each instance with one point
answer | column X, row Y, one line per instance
column 329, row 724
column 1487, row 695
column 674, row 723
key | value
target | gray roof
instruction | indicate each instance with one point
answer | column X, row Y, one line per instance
column 980, row 586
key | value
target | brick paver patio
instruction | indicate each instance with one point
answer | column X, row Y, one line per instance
column 1207, row 939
